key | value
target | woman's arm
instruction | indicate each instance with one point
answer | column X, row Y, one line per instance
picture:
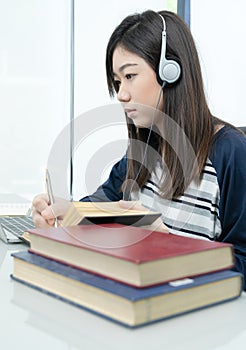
column 229, row 160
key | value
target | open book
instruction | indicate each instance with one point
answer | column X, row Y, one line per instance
column 106, row 212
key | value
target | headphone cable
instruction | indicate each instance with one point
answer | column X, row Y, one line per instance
column 147, row 142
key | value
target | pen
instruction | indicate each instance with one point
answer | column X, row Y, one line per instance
column 50, row 194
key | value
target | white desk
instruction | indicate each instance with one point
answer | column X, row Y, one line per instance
column 32, row 320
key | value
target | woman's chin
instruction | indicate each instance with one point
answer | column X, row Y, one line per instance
column 141, row 125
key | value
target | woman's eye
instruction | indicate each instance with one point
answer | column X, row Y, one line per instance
column 130, row 76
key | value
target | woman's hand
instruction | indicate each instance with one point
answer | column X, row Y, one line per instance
column 44, row 214
column 157, row 225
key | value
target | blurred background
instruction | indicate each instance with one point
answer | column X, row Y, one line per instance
column 52, row 71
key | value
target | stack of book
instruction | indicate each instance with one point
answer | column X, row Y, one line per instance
column 128, row 274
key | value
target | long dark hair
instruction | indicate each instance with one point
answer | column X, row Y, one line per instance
column 184, row 103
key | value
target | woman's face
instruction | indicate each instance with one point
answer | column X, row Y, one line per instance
column 137, row 88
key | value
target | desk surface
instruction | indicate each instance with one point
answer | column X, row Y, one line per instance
column 32, row 320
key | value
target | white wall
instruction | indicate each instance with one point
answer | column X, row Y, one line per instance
column 34, row 89
column 219, row 30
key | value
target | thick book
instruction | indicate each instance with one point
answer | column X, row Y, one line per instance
column 122, row 303
column 106, row 212
column 131, row 255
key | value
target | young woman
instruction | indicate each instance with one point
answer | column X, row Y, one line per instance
column 181, row 160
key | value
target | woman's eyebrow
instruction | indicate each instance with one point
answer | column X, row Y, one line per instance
column 126, row 65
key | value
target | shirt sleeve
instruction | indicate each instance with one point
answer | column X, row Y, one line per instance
column 110, row 190
column 229, row 160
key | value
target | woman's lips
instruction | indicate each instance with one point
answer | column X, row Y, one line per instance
column 131, row 113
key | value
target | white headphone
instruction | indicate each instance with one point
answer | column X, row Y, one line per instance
column 169, row 70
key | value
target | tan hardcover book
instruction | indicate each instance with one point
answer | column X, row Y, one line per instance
column 106, row 212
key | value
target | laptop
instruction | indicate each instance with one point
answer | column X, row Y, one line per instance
column 15, row 218
column 12, row 229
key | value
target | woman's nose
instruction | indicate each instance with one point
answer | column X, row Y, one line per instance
column 123, row 95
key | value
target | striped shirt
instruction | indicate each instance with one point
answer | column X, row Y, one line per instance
column 195, row 213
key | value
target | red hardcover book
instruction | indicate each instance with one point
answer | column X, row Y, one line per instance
column 132, row 255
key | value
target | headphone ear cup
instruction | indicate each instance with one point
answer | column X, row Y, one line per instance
column 169, row 71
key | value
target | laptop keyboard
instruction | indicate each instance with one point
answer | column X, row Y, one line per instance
column 16, row 225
